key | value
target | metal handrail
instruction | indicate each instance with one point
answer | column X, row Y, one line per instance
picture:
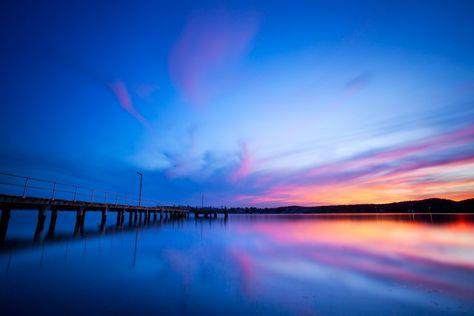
column 56, row 188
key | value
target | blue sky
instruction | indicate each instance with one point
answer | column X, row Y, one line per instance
column 255, row 103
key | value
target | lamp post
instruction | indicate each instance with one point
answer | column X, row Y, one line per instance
column 140, row 194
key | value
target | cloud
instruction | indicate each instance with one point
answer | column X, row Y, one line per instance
column 243, row 168
column 146, row 90
column 124, row 99
column 359, row 81
column 118, row 87
column 436, row 166
column 209, row 45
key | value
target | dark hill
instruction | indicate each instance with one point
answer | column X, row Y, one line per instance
column 421, row 206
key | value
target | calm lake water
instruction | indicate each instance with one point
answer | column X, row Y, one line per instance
column 249, row 264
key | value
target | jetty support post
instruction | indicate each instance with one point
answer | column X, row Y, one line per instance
column 83, row 219
column 5, row 219
column 40, row 223
column 122, row 217
column 103, row 219
column 118, row 222
column 130, row 218
column 135, row 217
column 52, row 223
column 80, row 217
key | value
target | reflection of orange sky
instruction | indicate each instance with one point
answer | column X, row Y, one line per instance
column 447, row 244
column 436, row 257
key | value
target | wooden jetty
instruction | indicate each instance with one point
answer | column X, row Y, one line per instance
column 25, row 193
column 136, row 214
column 209, row 213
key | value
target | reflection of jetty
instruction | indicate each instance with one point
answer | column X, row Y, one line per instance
column 136, row 214
column 63, row 235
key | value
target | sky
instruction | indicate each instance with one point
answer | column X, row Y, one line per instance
column 242, row 103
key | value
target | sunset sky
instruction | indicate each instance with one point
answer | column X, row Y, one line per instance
column 266, row 103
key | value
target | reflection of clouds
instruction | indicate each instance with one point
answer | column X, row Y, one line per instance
column 246, row 266
column 436, row 257
column 181, row 264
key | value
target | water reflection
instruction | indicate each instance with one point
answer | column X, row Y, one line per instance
column 298, row 264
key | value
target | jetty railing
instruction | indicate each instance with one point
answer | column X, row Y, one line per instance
column 27, row 186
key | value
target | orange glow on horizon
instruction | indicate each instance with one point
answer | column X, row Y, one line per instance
column 448, row 182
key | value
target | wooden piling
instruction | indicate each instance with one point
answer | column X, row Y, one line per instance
column 118, row 219
column 5, row 219
column 40, row 223
column 130, row 218
column 52, row 223
column 122, row 218
column 79, row 226
column 83, row 219
column 103, row 219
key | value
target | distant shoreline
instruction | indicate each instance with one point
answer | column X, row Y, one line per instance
column 426, row 206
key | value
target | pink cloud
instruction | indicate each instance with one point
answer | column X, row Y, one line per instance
column 121, row 92
column 209, row 44
column 146, row 90
column 244, row 167
column 431, row 167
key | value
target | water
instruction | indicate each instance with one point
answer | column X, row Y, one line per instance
column 249, row 264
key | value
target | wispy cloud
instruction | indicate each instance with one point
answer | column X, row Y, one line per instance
column 210, row 43
column 437, row 166
column 118, row 88
column 243, row 168
column 358, row 82
column 123, row 96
